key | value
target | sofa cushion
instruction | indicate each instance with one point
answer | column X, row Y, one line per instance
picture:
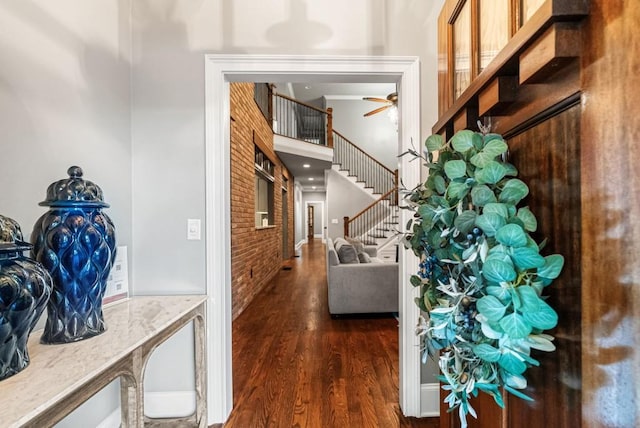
column 364, row 257
column 346, row 252
column 357, row 244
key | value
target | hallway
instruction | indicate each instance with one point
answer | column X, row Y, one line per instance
column 295, row 366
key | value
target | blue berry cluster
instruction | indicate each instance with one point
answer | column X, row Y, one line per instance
column 427, row 266
column 468, row 314
column 472, row 236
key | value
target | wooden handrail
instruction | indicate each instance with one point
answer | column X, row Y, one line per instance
column 319, row 110
column 363, row 152
column 381, row 198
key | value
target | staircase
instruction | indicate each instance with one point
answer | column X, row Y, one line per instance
column 378, row 223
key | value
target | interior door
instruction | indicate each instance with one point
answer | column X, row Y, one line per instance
column 310, row 224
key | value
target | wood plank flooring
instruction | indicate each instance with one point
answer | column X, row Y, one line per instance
column 295, row 366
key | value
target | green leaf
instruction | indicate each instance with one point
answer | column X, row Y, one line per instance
column 552, row 266
column 496, row 208
column 457, row 191
column 487, row 352
column 415, row 280
column 491, row 308
column 513, row 191
column 495, row 147
column 491, row 173
column 482, row 195
column 427, row 212
column 529, row 298
column 512, row 364
column 544, row 318
column 490, row 223
column 527, row 258
column 434, row 143
column 511, row 235
column 481, row 159
column 462, row 141
column 465, row 221
column 515, row 326
column 528, row 219
column 439, row 184
column 455, row 168
column 500, row 293
column 495, row 270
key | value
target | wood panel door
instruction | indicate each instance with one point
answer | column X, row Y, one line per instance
column 547, row 156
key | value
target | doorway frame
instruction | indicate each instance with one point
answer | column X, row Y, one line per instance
column 222, row 69
column 306, row 216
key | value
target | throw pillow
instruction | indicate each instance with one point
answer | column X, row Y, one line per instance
column 357, row 244
column 347, row 254
column 364, row 258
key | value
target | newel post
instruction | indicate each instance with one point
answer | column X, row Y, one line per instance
column 330, row 127
column 346, row 226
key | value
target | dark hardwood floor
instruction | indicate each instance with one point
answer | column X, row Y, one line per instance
column 295, row 366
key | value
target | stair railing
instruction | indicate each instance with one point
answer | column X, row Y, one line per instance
column 360, row 164
column 360, row 225
column 302, row 121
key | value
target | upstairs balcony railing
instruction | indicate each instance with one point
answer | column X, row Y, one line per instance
column 302, row 121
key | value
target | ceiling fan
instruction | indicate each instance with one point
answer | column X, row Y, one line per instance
column 390, row 101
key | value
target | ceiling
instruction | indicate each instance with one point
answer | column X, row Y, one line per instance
column 312, row 93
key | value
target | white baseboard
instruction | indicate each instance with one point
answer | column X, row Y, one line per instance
column 174, row 404
column 300, row 244
column 429, row 400
column 111, row 421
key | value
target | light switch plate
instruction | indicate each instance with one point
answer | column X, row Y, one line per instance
column 334, row 221
column 193, row 229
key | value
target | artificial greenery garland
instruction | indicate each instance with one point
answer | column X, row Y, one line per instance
column 481, row 274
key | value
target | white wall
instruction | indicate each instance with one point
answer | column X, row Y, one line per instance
column 376, row 135
column 341, row 203
column 65, row 100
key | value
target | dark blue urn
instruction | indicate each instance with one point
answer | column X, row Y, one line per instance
column 25, row 286
column 76, row 242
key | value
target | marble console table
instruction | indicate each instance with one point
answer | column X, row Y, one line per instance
column 61, row 377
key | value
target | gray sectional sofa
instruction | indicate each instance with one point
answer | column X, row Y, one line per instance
column 359, row 282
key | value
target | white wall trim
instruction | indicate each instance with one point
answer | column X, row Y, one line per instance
column 430, row 398
column 323, row 226
column 219, row 71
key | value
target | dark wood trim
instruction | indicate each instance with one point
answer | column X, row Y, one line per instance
column 506, row 62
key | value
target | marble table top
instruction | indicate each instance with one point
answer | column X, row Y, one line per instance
column 57, row 370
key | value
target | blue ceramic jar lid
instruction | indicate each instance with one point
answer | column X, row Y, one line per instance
column 74, row 191
column 11, row 236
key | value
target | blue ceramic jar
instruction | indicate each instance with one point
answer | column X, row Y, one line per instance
column 25, row 286
column 76, row 242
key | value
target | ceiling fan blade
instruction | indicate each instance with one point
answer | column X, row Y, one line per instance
column 378, row 110
column 377, row 100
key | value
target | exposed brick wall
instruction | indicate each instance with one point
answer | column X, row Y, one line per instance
column 256, row 254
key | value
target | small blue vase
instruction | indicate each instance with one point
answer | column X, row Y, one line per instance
column 76, row 242
column 25, row 286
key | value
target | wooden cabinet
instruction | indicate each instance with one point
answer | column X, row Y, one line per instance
column 560, row 91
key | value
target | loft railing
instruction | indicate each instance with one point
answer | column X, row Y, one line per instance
column 361, row 165
column 302, row 121
column 364, row 224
